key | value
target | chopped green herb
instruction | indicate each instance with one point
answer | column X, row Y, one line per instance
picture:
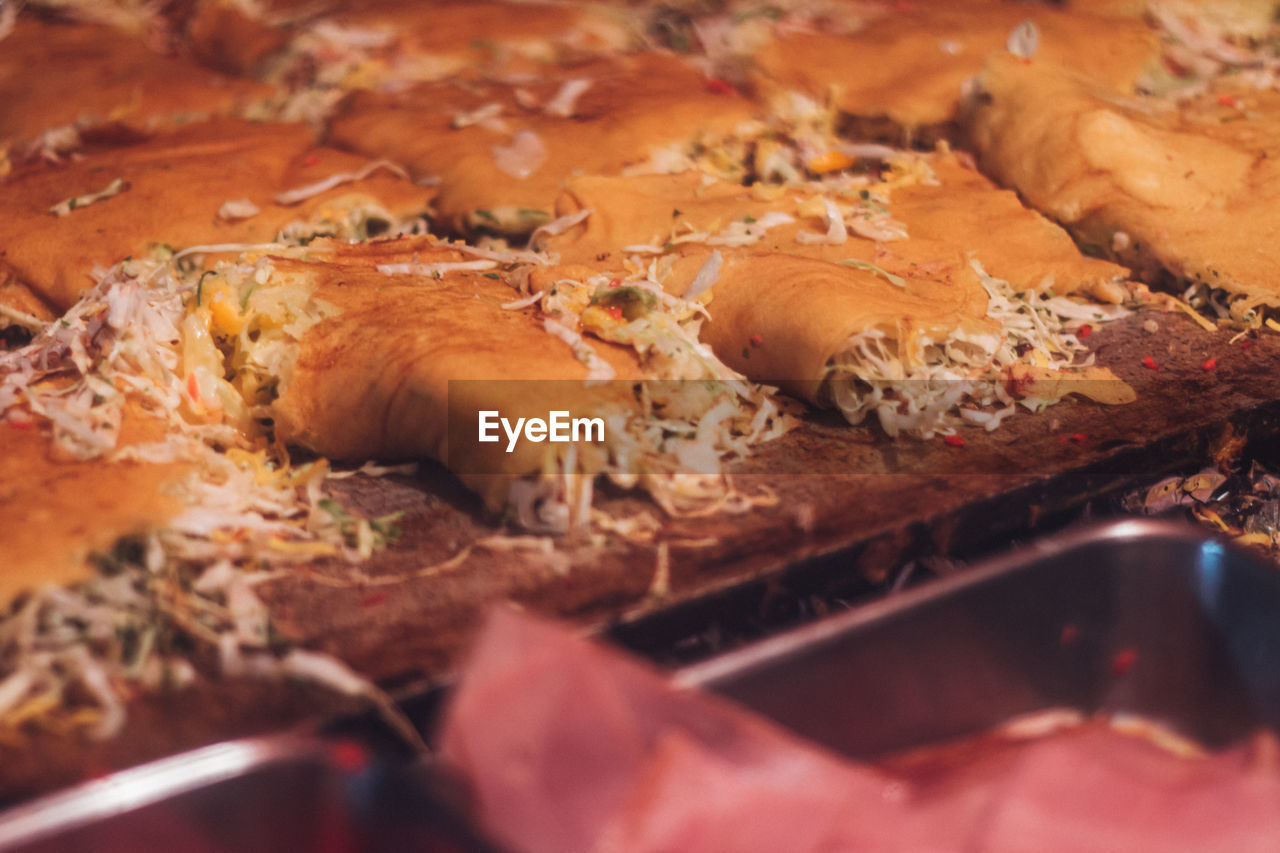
column 200, row 286
column 633, row 302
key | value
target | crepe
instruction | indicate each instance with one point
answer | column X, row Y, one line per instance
column 797, row 301
column 56, row 513
column 53, row 75
column 1189, row 187
column 174, row 189
column 405, row 362
column 782, row 319
column 500, row 164
column 907, row 68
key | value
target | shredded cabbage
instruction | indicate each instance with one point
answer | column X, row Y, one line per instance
column 928, row 386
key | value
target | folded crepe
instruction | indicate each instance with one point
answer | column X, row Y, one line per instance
column 1189, row 187
column 53, row 75
column 408, row 342
column 796, row 300
column 57, row 515
column 903, row 72
column 225, row 181
column 502, row 150
column 784, row 319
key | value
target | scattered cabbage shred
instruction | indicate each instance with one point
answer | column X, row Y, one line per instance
column 143, row 338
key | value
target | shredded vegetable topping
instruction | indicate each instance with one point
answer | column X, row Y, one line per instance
column 64, row 208
column 696, row 413
column 155, row 335
column 303, row 193
column 920, row 386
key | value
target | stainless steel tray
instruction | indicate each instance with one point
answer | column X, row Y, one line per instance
column 288, row 792
column 1138, row 615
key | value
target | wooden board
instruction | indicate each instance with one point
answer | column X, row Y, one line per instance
column 839, row 489
column 850, row 495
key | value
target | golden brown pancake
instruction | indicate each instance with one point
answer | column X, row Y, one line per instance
column 780, row 317
column 177, row 185
column 504, row 173
column 56, row 513
column 374, row 379
column 1190, row 188
column 909, row 66
column 56, row 74
column 968, row 212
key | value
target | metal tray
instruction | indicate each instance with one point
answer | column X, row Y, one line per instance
column 1139, row 615
column 288, row 792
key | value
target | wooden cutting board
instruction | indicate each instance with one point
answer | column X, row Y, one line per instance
column 850, row 495
column 838, row 489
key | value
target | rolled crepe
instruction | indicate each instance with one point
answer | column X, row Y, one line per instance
column 789, row 292
column 405, row 362
column 213, row 182
column 502, row 150
column 55, row 513
column 782, row 318
column 1192, row 189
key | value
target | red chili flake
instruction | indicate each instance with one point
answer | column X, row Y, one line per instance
column 1246, row 344
column 193, row 388
column 1062, row 439
column 953, row 440
column 1210, row 363
column 311, row 160
column 20, row 424
column 1079, row 437
column 1149, row 363
column 1084, row 331
column 615, row 282
column 1228, row 101
column 1068, row 635
column 373, row 600
column 720, row 87
column 350, row 756
column 1026, row 60
column 757, row 340
column 1124, row 661
column 614, row 311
